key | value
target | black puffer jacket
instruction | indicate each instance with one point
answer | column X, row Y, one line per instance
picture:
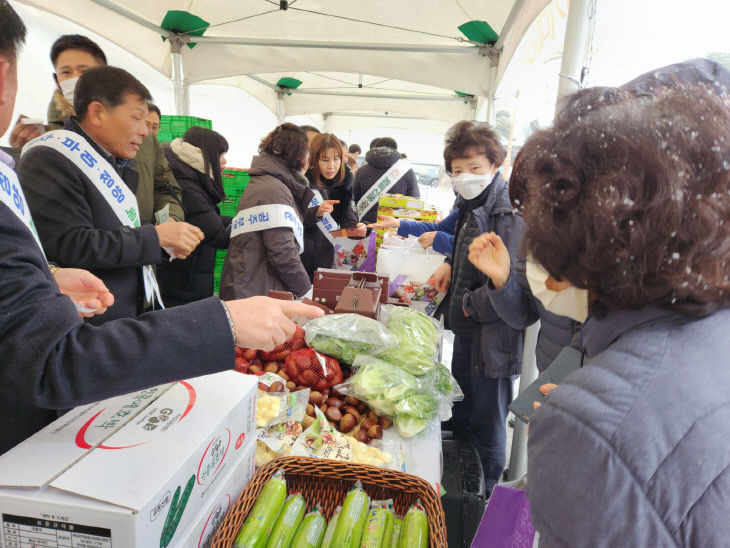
column 379, row 160
column 318, row 250
column 184, row 281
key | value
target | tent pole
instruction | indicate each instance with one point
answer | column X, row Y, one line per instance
column 491, row 115
column 180, row 87
column 518, row 453
column 577, row 31
column 325, row 116
column 280, row 107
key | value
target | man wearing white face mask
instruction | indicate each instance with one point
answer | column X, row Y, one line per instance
column 71, row 55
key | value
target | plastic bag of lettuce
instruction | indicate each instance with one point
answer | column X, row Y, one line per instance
column 391, row 391
column 344, row 336
column 418, row 337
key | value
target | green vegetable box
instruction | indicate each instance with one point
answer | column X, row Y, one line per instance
column 141, row 470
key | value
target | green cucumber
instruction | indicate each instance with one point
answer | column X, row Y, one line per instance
column 263, row 515
column 395, row 538
column 414, row 531
column 330, row 532
column 288, row 522
column 311, row 530
column 170, row 515
column 378, row 528
column 351, row 522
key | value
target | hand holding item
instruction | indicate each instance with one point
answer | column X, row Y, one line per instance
column 488, row 253
column 441, row 278
column 84, row 289
column 426, row 239
column 386, row 222
column 23, row 133
column 327, row 206
column 182, row 237
column 358, row 231
column 264, row 323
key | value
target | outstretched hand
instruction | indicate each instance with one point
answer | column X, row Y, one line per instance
column 84, row 289
column 264, row 323
column 488, row 253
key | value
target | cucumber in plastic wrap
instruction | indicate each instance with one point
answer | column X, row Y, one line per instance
column 351, row 522
column 311, row 531
column 379, row 525
column 395, row 537
column 414, row 531
column 330, row 532
column 263, row 515
column 288, row 522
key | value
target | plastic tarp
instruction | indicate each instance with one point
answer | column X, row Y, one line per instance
column 406, row 58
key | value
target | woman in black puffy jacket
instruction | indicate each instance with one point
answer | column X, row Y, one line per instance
column 196, row 161
column 332, row 179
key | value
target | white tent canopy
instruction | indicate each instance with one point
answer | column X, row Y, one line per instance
column 387, row 61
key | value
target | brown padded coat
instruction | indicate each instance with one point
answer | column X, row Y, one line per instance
column 258, row 262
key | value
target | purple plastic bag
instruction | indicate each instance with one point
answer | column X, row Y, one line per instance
column 506, row 521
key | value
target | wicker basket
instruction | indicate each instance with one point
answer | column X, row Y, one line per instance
column 326, row 482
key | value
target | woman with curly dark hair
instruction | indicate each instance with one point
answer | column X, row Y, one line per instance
column 629, row 197
column 267, row 233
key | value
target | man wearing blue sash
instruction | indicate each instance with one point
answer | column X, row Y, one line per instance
column 81, row 191
column 50, row 359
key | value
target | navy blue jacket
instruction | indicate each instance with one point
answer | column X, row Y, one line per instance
column 633, row 449
column 50, row 359
column 443, row 242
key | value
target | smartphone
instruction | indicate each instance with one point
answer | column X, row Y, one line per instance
column 563, row 365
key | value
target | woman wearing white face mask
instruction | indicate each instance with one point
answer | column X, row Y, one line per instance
column 526, row 292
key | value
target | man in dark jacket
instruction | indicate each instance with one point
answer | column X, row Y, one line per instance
column 77, row 224
column 51, row 359
column 71, row 54
column 380, row 158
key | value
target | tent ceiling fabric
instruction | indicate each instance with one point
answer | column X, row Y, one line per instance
column 376, row 23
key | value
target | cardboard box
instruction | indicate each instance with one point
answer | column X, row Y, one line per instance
column 129, row 471
column 402, row 207
column 228, row 490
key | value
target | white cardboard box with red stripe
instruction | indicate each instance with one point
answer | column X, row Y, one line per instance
column 134, row 470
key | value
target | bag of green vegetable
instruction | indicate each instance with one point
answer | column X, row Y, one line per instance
column 414, row 530
column 263, row 515
column 395, row 537
column 417, row 335
column 379, row 384
column 344, row 336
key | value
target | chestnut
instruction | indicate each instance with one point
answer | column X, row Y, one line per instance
column 290, row 385
column 336, row 393
column 352, row 411
column 375, row 432
column 310, row 410
column 368, row 423
column 271, row 367
column 263, row 387
column 362, row 407
column 334, row 402
column 323, row 408
column 276, row 387
column 347, row 423
column 351, row 400
column 254, row 369
column 315, row 398
column 385, row 422
column 361, row 436
column 283, row 375
column 333, row 414
column 372, row 415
